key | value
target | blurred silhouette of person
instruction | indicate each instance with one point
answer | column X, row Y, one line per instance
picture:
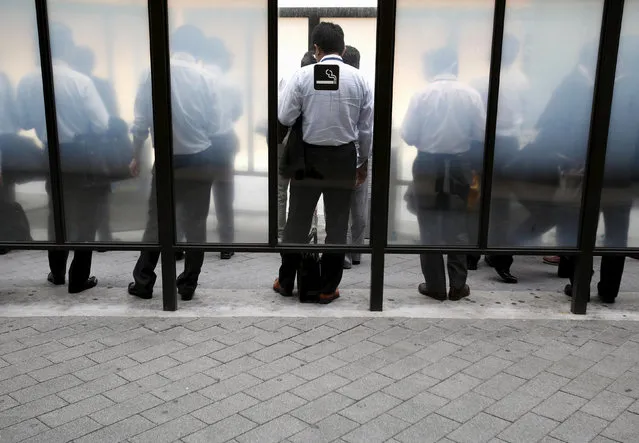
column 80, row 112
column 442, row 122
column 196, row 117
column 621, row 170
column 359, row 204
column 337, row 126
column 225, row 143
column 513, row 88
column 8, row 127
column 84, row 62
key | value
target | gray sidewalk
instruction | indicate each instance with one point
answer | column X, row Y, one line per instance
column 109, row 379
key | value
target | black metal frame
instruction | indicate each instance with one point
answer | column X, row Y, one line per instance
column 386, row 13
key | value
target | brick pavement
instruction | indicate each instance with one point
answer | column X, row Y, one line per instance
column 321, row 379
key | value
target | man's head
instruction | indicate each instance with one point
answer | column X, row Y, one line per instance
column 216, row 52
column 83, row 60
column 308, row 59
column 62, row 46
column 510, row 50
column 441, row 61
column 189, row 39
column 327, row 39
column 351, row 56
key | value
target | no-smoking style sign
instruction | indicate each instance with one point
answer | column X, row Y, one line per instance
column 326, row 77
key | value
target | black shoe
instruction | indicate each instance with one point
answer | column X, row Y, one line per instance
column 226, row 255
column 506, row 276
column 140, row 292
column 458, row 294
column 423, row 289
column 603, row 297
column 55, row 281
column 179, row 255
column 186, row 293
column 357, row 262
column 89, row 283
column 347, row 265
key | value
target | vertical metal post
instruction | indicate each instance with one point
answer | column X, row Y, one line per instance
column 53, row 144
column 384, row 64
column 163, row 139
column 599, row 127
column 491, row 121
column 272, row 19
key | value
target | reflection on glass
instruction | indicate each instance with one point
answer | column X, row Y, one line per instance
column 23, row 161
column 543, row 122
column 617, row 227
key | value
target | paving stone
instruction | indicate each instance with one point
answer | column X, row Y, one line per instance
column 379, row 430
column 437, row 351
column 232, row 368
column 135, row 388
column 30, row 410
column 627, row 384
column 361, row 368
column 271, row 338
column 119, row 431
column 418, row 407
column 184, row 370
column 517, row 350
column 559, row 406
column 318, row 351
column 327, row 430
column 587, row 385
column 465, row 407
column 316, row 335
column 16, row 383
column 23, row 430
column 428, row 430
column 106, row 368
column 175, row 408
column 32, row 352
column 275, row 368
column 594, row 350
column 499, row 386
column 446, row 367
column 529, row 428
column 476, row 351
column 357, row 335
column 120, row 411
column 570, row 366
column 274, row 431
column 481, row 428
column 635, row 407
column 22, row 368
column 529, row 367
column 391, row 336
column 148, row 368
column 275, row 386
column 487, row 367
column 221, row 431
column 398, row 351
column 6, row 402
column 75, row 352
column 555, row 350
column 60, row 369
column 514, row 405
column 624, row 428
column 320, row 386
column 370, row 407
column 322, row 408
column 455, row 386
column 75, row 411
column 579, row 427
column 92, row 388
column 357, row 351
column 318, row 368
column 365, row 386
column 410, row 386
column 277, row 351
column 170, row 431
column 545, row 384
column 225, row 408
column 611, row 366
column 607, row 405
column 270, row 409
column 230, row 386
column 67, row 432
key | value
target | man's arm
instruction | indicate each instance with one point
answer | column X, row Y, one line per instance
column 290, row 107
column 411, row 128
column 142, row 119
column 365, row 127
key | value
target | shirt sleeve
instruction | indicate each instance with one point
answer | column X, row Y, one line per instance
column 365, row 127
column 96, row 111
column 30, row 111
column 142, row 109
column 411, row 128
column 478, row 118
column 290, row 107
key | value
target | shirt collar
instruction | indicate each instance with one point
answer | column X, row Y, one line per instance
column 331, row 57
column 445, row 77
column 183, row 56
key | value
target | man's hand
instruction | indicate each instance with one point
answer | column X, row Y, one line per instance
column 134, row 167
column 362, row 173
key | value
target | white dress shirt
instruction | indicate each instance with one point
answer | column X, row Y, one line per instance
column 194, row 102
column 8, row 118
column 513, row 88
column 445, row 117
column 331, row 118
column 231, row 101
column 79, row 108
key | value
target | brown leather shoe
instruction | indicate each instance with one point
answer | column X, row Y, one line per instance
column 423, row 289
column 325, row 299
column 458, row 294
column 277, row 287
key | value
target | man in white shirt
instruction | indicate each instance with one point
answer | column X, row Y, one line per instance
column 80, row 112
column 225, row 143
column 336, row 105
column 196, row 118
column 441, row 122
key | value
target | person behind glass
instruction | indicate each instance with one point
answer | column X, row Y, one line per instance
column 441, row 122
column 196, row 118
column 84, row 62
column 225, row 143
column 337, row 130
column 8, row 128
column 80, row 111
column 513, row 86
column 359, row 203
column 621, row 170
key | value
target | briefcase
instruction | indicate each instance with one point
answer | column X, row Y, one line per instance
column 309, row 279
column 22, row 159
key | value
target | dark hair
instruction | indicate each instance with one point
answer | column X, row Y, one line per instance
column 510, row 50
column 351, row 56
column 83, row 59
column 329, row 37
column 189, row 39
column 308, row 59
column 442, row 61
column 61, row 40
column 215, row 51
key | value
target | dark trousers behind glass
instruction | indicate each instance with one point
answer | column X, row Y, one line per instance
column 336, row 165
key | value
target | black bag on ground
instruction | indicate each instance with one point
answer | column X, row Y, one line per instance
column 308, row 275
column 14, row 225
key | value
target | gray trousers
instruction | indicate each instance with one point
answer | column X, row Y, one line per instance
column 443, row 220
column 358, row 219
